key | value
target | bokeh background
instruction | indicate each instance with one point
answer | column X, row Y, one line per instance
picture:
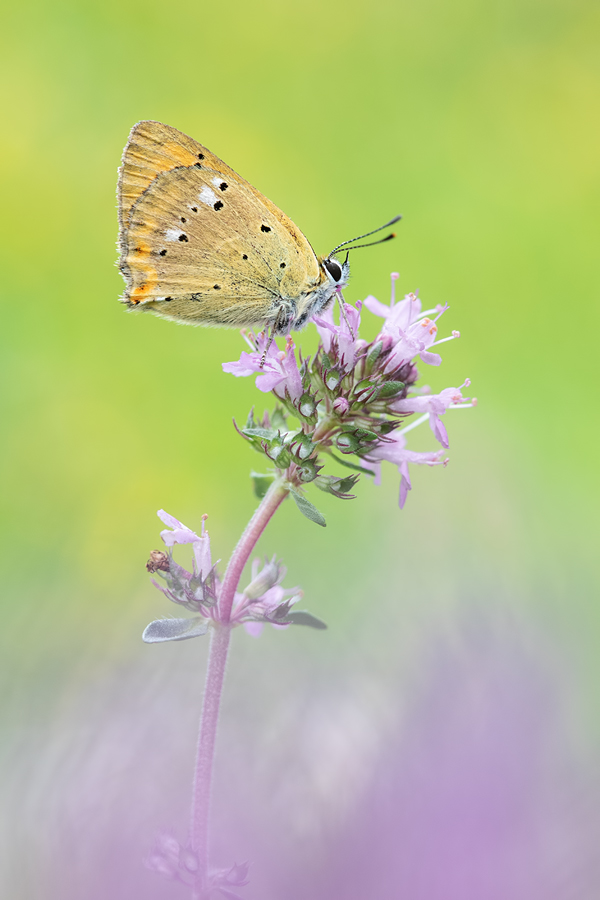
column 462, row 652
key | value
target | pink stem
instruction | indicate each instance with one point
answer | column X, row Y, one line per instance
column 215, row 675
column 257, row 524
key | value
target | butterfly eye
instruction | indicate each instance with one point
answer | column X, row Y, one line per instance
column 333, row 268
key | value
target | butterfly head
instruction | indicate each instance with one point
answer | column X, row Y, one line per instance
column 336, row 273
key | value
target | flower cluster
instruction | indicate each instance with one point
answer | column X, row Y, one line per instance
column 264, row 600
column 353, row 398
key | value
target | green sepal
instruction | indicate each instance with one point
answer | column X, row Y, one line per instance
column 365, row 385
column 303, row 618
column 364, row 435
column 261, row 483
column 339, row 487
column 373, row 355
column 307, row 509
column 389, row 389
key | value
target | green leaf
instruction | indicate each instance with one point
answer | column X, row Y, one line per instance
column 174, row 629
column 266, row 433
column 278, row 419
column 307, row 509
column 303, row 618
column 261, row 483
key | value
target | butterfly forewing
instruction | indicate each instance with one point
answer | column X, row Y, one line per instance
column 200, row 244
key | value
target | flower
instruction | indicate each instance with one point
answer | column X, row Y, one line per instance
column 436, row 405
column 343, row 337
column 277, row 370
column 394, row 451
column 181, row 534
column 263, row 600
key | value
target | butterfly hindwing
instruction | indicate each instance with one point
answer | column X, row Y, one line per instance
column 198, row 242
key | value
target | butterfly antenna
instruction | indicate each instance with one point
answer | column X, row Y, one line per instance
column 368, row 234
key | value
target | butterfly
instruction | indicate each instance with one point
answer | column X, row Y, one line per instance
column 198, row 244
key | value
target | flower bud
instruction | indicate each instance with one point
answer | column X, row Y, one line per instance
column 302, row 445
column 347, row 442
column 307, row 471
column 333, row 378
column 307, row 406
column 277, row 452
column 280, row 456
column 188, row 859
column 341, row 406
column 270, row 575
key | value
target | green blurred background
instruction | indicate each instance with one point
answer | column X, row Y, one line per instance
column 477, row 121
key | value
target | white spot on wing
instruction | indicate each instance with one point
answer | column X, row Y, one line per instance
column 207, row 195
column 217, row 181
column 172, row 234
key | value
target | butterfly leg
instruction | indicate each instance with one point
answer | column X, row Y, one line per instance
column 281, row 325
column 267, row 347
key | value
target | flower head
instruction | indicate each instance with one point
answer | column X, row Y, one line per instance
column 263, row 600
column 354, row 397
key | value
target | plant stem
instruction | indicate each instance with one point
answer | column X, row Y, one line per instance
column 257, row 524
column 215, row 675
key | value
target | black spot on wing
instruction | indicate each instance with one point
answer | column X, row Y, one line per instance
column 218, row 205
column 164, row 253
column 265, row 228
column 183, row 237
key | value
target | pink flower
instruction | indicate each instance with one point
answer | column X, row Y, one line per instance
column 181, row 534
column 394, row 451
column 343, row 335
column 264, row 600
column 436, row 405
column 278, row 373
